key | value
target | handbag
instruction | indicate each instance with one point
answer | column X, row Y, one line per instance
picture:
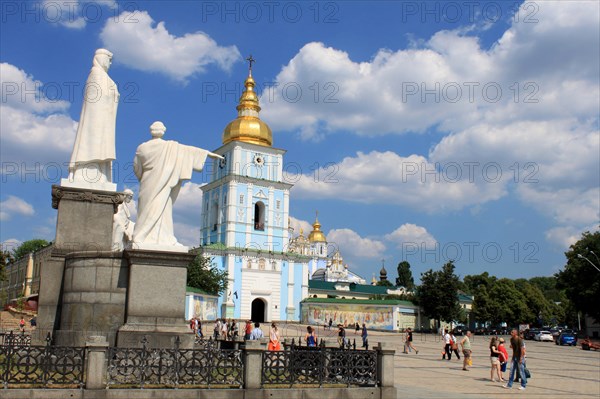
column 527, row 373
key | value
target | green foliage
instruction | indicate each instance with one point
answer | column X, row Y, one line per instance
column 405, row 278
column 5, row 259
column 579, row 279
column 438, row 293
column 384, row 283
column 200, row 275
column 29, row 246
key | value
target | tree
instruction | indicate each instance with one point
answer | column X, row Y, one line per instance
column 209, row 279
column 385, row 283
column 405, row 278
column 5, row 259
column 29, row 246
column 438, row 293
column 579, row 279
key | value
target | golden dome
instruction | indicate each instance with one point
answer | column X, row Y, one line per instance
column 317, row 235
column 248, row 127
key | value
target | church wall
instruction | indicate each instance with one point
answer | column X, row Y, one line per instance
column 238, row 287
column 298, row 276
column 262, row 284
column 378, row 317
column 284, row 289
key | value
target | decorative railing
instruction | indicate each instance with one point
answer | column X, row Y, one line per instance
column 46, row 366
column 319, row 366
column 148, row 367
column 12, row 339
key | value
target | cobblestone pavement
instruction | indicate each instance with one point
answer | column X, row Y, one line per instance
column 557, row 371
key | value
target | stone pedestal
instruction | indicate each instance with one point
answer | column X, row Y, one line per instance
column 93, row 299
column 156, row 299
column 85, row 218
column 84, row 223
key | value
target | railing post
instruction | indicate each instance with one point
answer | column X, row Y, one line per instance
column 95, row 368
column 385, row 364
column 253, row 365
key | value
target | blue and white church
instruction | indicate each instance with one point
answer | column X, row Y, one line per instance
column 245, row 221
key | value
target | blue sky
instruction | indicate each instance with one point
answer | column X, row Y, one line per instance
column 420, row 131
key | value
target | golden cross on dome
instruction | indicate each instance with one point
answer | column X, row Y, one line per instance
column 250, row 61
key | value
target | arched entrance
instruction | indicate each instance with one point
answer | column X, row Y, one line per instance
column 257, row 314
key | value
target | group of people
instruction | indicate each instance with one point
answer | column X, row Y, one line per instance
column 499, row 357
column 229, row 329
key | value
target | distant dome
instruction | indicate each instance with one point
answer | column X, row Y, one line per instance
column 317, row 235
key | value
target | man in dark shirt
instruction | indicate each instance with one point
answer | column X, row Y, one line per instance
column 518, row 360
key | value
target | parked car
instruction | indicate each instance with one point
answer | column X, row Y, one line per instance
column 566, row 339
column 531, row 333
column 480, row 331
column 544, row 336
column 459, row 330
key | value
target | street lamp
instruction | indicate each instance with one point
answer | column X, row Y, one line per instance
column 590, row 262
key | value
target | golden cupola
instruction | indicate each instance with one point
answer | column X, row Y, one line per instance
column 317, row 235
column 248, row 127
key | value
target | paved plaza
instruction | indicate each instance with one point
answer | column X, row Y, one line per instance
column 557, row 371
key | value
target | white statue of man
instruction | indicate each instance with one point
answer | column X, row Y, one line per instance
column 122, row 224
column 94, row 149
column 161, row 166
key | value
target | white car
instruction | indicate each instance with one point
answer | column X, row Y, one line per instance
column 544, row 336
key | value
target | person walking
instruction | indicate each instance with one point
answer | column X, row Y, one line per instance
column 518, row 360
column 341, row 336
column 274, row 344
column 465, row 345
column 256, row 332
column 495, row 359
column 447, row 345
column 330, row 323
column 247, row 330
column 503, row 357
column 364, row 335
column 22, row 324
column 224, row 329
column 409, row 341
column 217, row 329
column 454, row 345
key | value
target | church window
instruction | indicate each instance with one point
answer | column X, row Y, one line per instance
column 214, row 215
column 259, row 216
column 241, row 199
column 278, row 204
column 274, row 265
column 224, row 199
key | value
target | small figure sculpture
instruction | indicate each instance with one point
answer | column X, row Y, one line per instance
column 161, row 166
column 122, row 224
column 94, row 149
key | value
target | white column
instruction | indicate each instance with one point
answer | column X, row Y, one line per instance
column 271, row 217
column 232, row 201
column 249, row 213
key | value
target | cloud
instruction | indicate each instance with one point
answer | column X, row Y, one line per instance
column 564, row 237
column 10, row 244
column 139, row 43
column 14, row 206
column 352, row 245
column 526, row 108
column 386, row 177
column 75, row 14
column 300, row 225
column 411, row 233
column 35, row 129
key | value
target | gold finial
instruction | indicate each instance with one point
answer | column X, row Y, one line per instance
column 250, row 61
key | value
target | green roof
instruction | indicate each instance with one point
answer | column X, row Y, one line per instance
column 360, row 301
column 197, row 291
column 354, row 288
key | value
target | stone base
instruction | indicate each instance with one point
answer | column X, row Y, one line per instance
column 156, row 299
column 156, row 336
column 93, row 299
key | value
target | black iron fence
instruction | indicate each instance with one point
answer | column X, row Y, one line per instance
column 40, row 366
column 144, row 367
column 319, row 366
column 12, row 339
